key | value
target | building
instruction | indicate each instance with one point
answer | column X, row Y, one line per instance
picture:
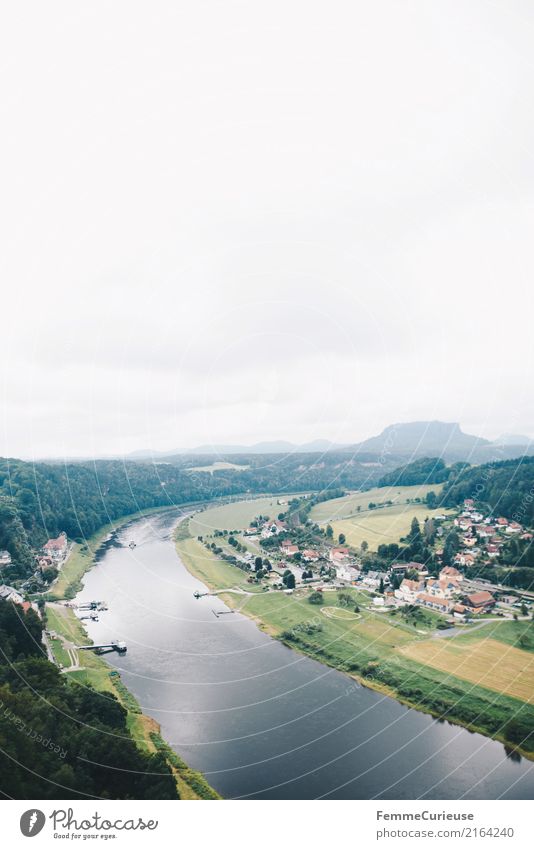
column 347, row 573
column 449, row 573
column 409, row 590
column 441, row 589
column 288, row 548
column 56, row 548
column 338, row 555
column 5, row 558
column 372, row 579
column 310, row 556
column 442, row 605
column 10, row 594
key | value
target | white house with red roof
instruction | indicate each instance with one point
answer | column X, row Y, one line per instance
column 56, row 548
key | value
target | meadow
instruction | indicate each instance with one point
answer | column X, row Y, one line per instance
column 382, row 526
column 343, row 508
column 236, row 515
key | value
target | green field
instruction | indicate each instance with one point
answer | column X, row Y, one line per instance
column 219, row 465
column 343, row 508
column 236, row 515
column 386, row 525
column 215, row 573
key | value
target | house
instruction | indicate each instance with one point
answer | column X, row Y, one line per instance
column 526, row 536
column 338, row 555
column 347, row 573
column 463, row 522
column 449, row 573
column 469, row 542
column 492, row 550
column 56, row 548
column 479, row 602
column 513, row 528
column 469, row 503
column 409, row 590
column 442, row 605
column 10, row 594
column 484, row 531
column 442, row 589
column 464, row 558
column 5, row 558
column 288, row 548
column 310, row 556
column 398, row 568
column 250, row 532
column 372, row 579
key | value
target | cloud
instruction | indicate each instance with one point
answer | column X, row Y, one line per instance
column 234, row 223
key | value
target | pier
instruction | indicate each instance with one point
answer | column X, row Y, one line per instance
column 115, row 645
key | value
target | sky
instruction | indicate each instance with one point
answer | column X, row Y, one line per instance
column 226, row 222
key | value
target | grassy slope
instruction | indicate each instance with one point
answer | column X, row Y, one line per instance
column 235, row 515
column 343, row 508
column 375, row 649
column 386, row 525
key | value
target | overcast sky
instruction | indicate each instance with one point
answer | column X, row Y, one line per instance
column 236, row 221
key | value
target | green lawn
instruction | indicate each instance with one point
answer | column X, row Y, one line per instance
column 236, row 515
column 343, row 508
column 215, row 573
column 385, row 525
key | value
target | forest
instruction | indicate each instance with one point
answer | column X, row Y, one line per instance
column 59, row 739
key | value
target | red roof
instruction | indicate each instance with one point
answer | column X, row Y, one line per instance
column 480, row 599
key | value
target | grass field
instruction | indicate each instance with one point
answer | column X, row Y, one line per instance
column 484, row 662
column 218, row 465
column 343, row 508
column 236, row 515
column 215, row 573
column 386, row 525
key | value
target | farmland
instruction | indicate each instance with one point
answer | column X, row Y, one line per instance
column 484, row 662
column 384, row 525
column 358, row 502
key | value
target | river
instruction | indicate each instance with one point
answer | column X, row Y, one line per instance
column 260, row 720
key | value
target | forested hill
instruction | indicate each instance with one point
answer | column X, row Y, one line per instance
column 39, row 500
column 63, row 741
column 505, row 488
column 425, row 470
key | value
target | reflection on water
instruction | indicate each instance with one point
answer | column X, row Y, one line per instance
column 259, row 719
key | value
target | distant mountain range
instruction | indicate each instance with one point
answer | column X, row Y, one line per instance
column 406, row 439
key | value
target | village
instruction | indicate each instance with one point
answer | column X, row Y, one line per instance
column 281, row 557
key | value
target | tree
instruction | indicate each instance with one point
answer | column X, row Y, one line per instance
column 381, row 586
column 290, row 581
column 524, row 609
column 329, row 531
column 365, row 545
column 258, row 563
column 316, row 597
column 342, row 539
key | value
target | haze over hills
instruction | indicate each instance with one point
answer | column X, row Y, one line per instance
column 403, row 439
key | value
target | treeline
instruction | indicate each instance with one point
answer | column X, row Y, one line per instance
column 39, row 500
column 427, row 470
column 59, row 739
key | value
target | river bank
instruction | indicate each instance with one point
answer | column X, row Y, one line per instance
column 96, row 672
column 372, row 654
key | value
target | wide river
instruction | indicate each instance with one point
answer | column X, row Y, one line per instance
column 259, row 720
